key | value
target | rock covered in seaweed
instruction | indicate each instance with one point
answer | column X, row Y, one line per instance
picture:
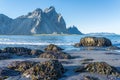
column 53, row 47
column 36, row 52
column 48, row 70
column 5, row 56
column 21, row 51
column 94, row 41
column 55, row 55
column 100, row 68
column 21, row 65
column 16, row 50
column 54, row 52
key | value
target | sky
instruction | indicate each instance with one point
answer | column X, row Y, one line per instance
column 89, row 16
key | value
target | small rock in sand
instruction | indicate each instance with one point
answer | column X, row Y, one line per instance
column 90, row 78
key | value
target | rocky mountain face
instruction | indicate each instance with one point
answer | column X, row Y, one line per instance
column 36, row 22
column 73, row 30
column 4, row 24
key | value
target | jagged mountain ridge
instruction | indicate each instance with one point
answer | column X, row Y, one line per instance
column 4, row 24
column 36, row 22
column 73, row 30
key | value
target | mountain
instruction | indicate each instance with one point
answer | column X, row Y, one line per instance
column 36, row 22
column 5, row 22
column 73, row 30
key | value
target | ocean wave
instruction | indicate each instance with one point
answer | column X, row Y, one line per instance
column 4, row 39
column 33, row 43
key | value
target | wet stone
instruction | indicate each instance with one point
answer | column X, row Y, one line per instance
column 48, row 70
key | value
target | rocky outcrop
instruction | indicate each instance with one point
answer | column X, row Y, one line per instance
column 21, row 51
column 53, row 47
column 5, row 56
column 48, row 70
column 16, row 50
column 21, row 65
column 55, row 55
column 36, row 52
column 100, row 68
column 94, row 41
column 54, row 52
column 73, row 30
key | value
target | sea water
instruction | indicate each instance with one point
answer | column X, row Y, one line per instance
column 38, row 41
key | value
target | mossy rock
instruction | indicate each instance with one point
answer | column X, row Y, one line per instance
column 16, row 50
column 53, row 47
column 5, row 56
column 100, row 68
column 21, row 65
column 36, row 52
column 55, row 55
column 94, row 42
column 48, row 70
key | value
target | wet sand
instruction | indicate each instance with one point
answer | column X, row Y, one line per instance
column 79, row 58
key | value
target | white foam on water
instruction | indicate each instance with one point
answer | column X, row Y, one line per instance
column 33, row 43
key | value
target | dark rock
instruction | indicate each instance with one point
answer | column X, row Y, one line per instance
column 16, row 50
column 79, row 69
column 77, row 45
column 94, row 41
column 55, row 55
column 5, row 56
column 100, row 68
column 48, row 70
column 36, row 52
column 87, row 60
column 90, row 78
column 21, row 65
column 53, row 47
column 21, row 51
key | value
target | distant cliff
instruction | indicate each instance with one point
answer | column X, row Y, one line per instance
column 73, row 30
column 36, row 22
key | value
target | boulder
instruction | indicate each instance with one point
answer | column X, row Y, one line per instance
column 55, row 55
column 36, row 52
column 94, row 41
column 53, row 47
column 16, row 50
column 5, row 56
column 21, row 51
column 48, row 70
column 100, row 68
column 21, row 65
